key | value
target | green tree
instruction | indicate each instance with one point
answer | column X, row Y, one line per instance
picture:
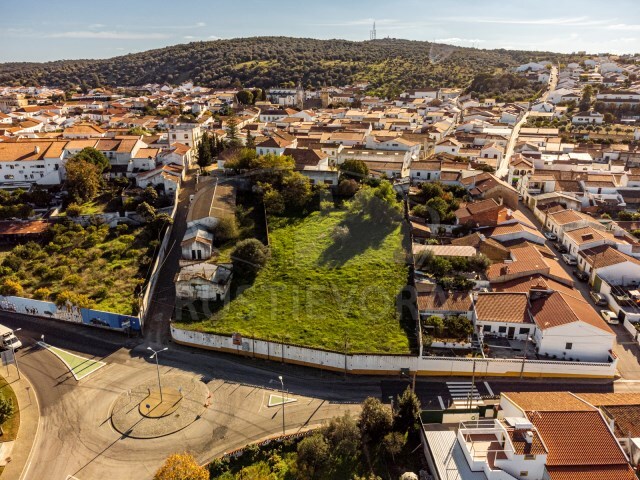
column 407, row 412
column 458, row 326
column 146, row 211
column 232, row 132
column 251, row 141
column 249, row 256
column 245, row 97
column 203, row 152
column 83, row 179
column 436, row 322
column 296, row 191
column 94, row 156
column 343, row 435
column 226, row 229
column 393, row 442
column 375, row 421
column 313, row 455
column 150, row 195
column 354, row 169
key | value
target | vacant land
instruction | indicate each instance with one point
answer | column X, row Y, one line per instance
column 100, row 268
column 319, row 292
column 11, row 426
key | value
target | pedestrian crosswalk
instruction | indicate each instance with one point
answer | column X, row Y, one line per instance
column 464, row 395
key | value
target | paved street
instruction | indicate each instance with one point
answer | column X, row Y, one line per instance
column 503, row 169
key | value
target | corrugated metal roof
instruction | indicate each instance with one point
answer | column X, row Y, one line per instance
column 448, row 457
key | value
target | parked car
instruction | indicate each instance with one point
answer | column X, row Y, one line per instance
column 560, row 247
column 581, row 275
column 568, row 259
column 598, row 299
column 550, row 236
column 610, row 317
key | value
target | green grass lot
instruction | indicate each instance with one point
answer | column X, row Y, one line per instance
column 102, row 265
column 316, row 293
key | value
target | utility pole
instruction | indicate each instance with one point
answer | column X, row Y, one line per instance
column 13, row 352
column 524, row 356
column 155, row 355
column 473, row 383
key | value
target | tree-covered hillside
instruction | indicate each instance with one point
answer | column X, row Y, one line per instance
column 387, row 64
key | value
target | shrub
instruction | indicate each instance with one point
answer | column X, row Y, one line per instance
column 13, row 262
column 42, row 293
column 347, row 188
column 11, row 287
column 74, row 210
column 226, row 229
column 249, row 256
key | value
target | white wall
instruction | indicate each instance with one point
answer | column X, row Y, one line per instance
column 589, row 344
column 391, row 364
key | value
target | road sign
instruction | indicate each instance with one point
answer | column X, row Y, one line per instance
column 237, row 339
column 7, row 357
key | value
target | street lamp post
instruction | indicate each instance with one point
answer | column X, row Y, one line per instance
column 155, row 354
column 13, row 352
column 524, row 356
column 283, row 400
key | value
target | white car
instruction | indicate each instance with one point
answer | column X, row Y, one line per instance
column 568, row 259
column 610, row 317
column 550, row 236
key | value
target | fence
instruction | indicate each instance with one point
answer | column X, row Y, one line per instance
column 157, row 264
column 365, row 364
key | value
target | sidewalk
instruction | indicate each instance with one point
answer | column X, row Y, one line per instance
column 29, row 416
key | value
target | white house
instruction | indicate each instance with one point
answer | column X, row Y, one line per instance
column 567, row 327
column 586, row 118
column 197, row 244
column 503, row 314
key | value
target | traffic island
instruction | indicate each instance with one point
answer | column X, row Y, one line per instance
column 145, row 412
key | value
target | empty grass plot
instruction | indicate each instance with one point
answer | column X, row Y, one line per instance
column 79, row 366
column 275, row 400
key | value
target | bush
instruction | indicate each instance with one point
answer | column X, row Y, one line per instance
column 347, row 188
column 436, row 322
column 42, row 293
column 226, row 229
column 249, row 256
column 11, row 287
column 74, row 210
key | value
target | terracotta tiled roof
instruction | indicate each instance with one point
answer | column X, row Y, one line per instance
column 590, row 472
column 525, row 284
column 568, row 216
column 439, row 300
column 577, row 438
column 586, row 235
column 548, row 401
column 605, row 256
column 503, row 307
column 600, row 399
column 522, row 447
column 626, row 420
column 561, row 309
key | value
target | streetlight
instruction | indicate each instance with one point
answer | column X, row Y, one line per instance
column 13, row 351
column 155, row 355
column 42, row 338
column 524, row 356
column 283, row 400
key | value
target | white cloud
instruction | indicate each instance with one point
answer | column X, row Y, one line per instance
column 188, row 37
column 97, row 25
column 213, row 37
column 624, row 26
column 361, row 21
column 104, row 35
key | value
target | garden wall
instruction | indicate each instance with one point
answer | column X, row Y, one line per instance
column 390, row 364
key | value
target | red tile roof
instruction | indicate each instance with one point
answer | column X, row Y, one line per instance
column 503, row 307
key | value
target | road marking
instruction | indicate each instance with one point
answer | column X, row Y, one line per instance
column 275, row 400
column 464, row 394
column 75, row 363
column 441, row 403
column 71, row 477
column 486, row 384
column 25, row 470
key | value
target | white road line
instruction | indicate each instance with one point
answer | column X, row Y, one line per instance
column 486, row 384
column 441, row 403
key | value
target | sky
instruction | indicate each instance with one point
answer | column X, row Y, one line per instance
column 43, row 30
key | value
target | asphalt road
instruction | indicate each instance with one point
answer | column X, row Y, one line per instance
column 76, row 438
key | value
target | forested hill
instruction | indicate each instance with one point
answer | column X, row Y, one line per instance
column 387, row 64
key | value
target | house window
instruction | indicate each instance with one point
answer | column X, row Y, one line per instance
column 186, row 136
column 417, row 174
column 525, row 331
column 568, row 346
column 529, row 457
column 486, row 328
column 502, row 329
column 524, row 473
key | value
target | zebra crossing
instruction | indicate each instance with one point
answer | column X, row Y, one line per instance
column 464, row 395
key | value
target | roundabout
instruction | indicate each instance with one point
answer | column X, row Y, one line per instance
column 147, row 411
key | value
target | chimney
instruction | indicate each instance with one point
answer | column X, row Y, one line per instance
column 36, row 150
column 528, row 437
